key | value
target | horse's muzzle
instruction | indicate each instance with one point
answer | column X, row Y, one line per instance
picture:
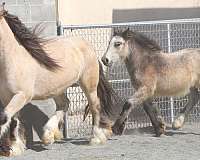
column 105, row 61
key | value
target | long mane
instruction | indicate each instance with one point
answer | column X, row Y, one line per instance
column 141, row 39
column 30, row 41
column 145, row 42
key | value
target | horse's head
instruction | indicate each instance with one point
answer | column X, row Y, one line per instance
column 118, row 47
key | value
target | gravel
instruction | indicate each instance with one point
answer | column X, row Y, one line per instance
column 135, row 145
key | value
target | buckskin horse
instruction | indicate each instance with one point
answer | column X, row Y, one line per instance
column 32, row 68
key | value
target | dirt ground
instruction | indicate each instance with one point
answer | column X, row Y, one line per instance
column 135, row 145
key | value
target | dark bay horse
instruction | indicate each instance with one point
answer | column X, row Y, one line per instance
column 155, row 73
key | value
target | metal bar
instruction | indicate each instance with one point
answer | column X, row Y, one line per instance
column 66, row 127
column 119, row 80
column 169, row 51
column 60, row 30
column 194, row 20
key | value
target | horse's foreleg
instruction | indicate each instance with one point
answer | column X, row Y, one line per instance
column 17, row 137
column 155, row 116
column 17, row 102
column 98, row 133
column 53, row 128
column 13, row 142
column 141, row 95
column 193, row 99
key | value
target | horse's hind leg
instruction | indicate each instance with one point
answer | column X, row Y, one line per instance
column 193, row 99
column 89, row 83
column 155, row 116
column 53, row 128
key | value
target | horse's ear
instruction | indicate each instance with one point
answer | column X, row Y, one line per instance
column 128, row 29
column 114, row 32
column 3, row 5
column 2, row 9
column 127, row 34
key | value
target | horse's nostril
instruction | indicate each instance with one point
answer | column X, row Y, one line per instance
column 106, row 60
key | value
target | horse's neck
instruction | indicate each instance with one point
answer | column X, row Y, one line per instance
column 131, row 66
column 134, row 59
column 7, row 40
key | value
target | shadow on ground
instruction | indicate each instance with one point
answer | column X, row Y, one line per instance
column 150, row 130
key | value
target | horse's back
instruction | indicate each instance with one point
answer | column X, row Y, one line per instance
column 180, row 72
column 74, row 55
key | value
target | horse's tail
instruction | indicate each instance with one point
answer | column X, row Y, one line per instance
column 111, row 103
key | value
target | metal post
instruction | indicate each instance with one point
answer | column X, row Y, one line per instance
column 169, row 50
column 60, row 31
column 66, row 127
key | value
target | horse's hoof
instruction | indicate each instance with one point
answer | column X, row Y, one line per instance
column 118, row 129
column 162, row 127
column 96, row 141
column 178, row 123
column 51, row 135
column 48, row 137
column 107, row 132
column 160, row 132
column 58, row 135
column 5, row 151
column 3, row 118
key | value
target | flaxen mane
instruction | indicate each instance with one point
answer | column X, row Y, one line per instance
column 30, row 40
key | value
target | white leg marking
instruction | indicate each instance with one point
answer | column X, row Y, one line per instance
column 5, row 127
column 18, row 146
column 107, row 132
column 99, row 136
column 179, row 121
column 51, row 130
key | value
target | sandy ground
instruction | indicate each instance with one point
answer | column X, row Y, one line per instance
column 135, row 145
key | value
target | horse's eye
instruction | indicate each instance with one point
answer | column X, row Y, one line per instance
column 117, row 44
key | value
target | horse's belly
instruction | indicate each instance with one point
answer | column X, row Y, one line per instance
column 172, row 92
column 51, row 85
column 173, row 87
column 50, row 93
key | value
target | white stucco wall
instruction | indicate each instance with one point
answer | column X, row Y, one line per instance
column 100, row 11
